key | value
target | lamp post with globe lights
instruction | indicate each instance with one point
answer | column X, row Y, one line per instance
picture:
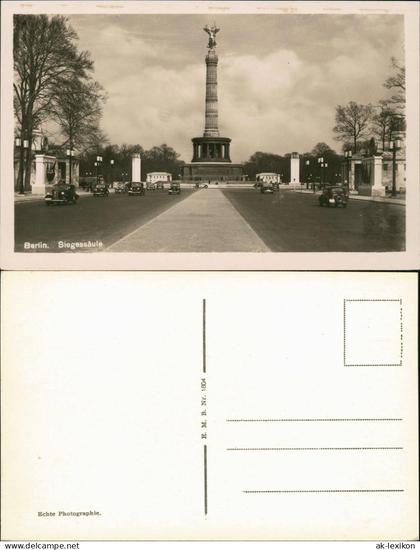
column 395, row 145
column 70, row 154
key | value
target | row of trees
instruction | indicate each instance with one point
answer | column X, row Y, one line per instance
column 161, row 158
column 53, row 81
column 310, row 169
column 357, row 124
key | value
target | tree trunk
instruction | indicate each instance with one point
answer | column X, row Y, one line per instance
column 18, row 186
column 28, row 161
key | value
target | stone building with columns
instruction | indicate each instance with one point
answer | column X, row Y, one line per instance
column 372, row 175
column 47, row 167
column 211, row 152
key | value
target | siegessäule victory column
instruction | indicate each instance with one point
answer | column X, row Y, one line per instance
column 211, row 153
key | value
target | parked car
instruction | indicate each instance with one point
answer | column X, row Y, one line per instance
column 61, row 193
column 174, row 188
column 100, row 189
column 87, row 183
column 266, row 187
column 120, row 187
column 333, row 195
column 201, row 186
column 136, row 188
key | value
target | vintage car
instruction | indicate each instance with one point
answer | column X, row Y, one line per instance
column 201, row 185
column 87, row 182
column 266, row 187
column 61, row 193
column 136, row 188
column 120, row 187
column 333, row 195
column 174, row 188
column 100, row 189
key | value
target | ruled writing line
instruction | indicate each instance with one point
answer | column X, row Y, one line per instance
column 314, row 448
column 314, row 420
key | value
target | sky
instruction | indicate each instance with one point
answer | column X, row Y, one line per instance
column 280, row 76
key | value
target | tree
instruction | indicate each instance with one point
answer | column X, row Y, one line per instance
column 330, row 158
column 161, row 159
column 352, row 122
column 77, row 108
column 322, row 149
column 383, row 122
column 267, row 162
column 396, row 83
column 45, row 58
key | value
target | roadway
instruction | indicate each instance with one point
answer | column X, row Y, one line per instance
column 212, row 220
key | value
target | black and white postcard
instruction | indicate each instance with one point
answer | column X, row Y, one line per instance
column 210, row 406
column 166, row 135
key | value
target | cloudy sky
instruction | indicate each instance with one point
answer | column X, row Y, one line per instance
column 280, row 76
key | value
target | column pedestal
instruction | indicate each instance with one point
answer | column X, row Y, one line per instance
column 135, row 168
column 294, row 169
column 41, row 180
column 378, row 190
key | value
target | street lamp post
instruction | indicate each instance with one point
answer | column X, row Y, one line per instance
column 97, row 164
column 348, row 155
column 307, row 163
column 112, row 172
column 325, row 171
column 321, row 162
column 70, row 153
column 395, row 145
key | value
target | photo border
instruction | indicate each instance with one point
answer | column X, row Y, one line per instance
column 267, row 261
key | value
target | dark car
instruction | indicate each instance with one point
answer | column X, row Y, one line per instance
column 61, row 193
column 120, row 187
column 100, row 189
column 174, row 188
column 333, row 195
column 136, row 188
column 266, row 187
column 87, row 183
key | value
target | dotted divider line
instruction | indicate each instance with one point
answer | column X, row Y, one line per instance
column 373, row 300
column 314, row 420
column 327, row 491
column 401, row 333
column 344, row 339
column 314, row 448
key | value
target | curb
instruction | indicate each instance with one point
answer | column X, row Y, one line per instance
column 383, row 200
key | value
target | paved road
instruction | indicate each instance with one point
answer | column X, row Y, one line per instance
column 205, row 222
column 106, row 219
column 294, row 222
column 213, row 221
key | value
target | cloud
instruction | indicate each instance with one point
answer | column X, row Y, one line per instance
column 278, row 87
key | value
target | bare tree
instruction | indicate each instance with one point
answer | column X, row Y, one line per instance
column 396, row 83
column 352, row 122
column 383, row 122
column 45, row 57
column 77, row 108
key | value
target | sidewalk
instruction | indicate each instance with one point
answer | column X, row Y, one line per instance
column 387, row 200
column 204, row 222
